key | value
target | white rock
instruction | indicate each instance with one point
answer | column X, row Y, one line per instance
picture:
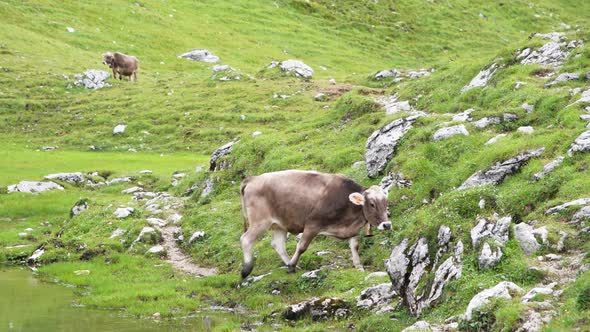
column 119, row 129
column 482, row 203
column 199, row 54
column 549, row 167
column 92, row 79
column 70, row 29
column 577, row 202
column 119, row 180
column 196, row 236
column 123, row 212
column 256, row 133
column 504, row 290
column 488, row 258
column 526, row 130
column 419, row 326
column 156, row 222
column 494, row 139
column 311, row 274
column 76, row 177
column 378, row 274
column 538, row 290
column 145, row 171
column 33, row 187
column 484, row 122
column 445, row 133
column 157, row 249
column 132, row 190
column 463, row 116
column 117, row 232
column 296, row 67
column 563, row 78
column 144, row 231
column 582, row 214
column 332, row 81
column 580, row 144
column 482, row 78
column 518, row 85
column 174, row 218
column 391, row 105
column 526, row 238
column 528, row 108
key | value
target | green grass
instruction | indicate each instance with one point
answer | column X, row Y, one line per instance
column 176, row 115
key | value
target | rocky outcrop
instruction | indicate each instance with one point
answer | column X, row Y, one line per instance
column 580, row 144
column 33, row 187
column 482, row 78
column 392, row 105
column 317, row 309
column 76, row 177
column 376, row 296
column 500, row 170
column 92, row 79
column 581, row 215
column 394, row 180
column 217, row 163
column 504, row 290
column 551, row 54
column 490, row 236
column 200, row 54
column 407, row 269
column 295, row 67
column 561, row 207
column 382, row 143
column 548, row 168
column 449, row 132
column 563, row 78
column 525, row 235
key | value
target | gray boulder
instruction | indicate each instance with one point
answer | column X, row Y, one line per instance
column 123, row 212
column 79, row 207
column 92, row 79
column 33, row 187
column 119, row 129
column 561, row 207
column 463, row 116
column 295, row 67
column 500, row 170
column 156, row 250
column 382, row 143
column 563, row 78
column 200, row 54
column 580, row 144
column 225, row 73
column 146, row 235
column 504, row 290
column 482, row 78
column 215, row 164
column 376, row 296
column 551, row 54
column 528, row 108
column 393, row 73
column 487, row 229
column 449, row 132
column 548, row 168
column 484, row 122
column 489, row 258
column 392, row 105
column 582, row 214
column 317, row 309
column 525, row 235
column 494, row 139
column 76, row 177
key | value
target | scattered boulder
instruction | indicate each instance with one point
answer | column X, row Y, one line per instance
column 419, row 326
column 577, row 202
column 407, row 269
column 199, row 54
column 119, row 129
column 198, row 235
column 582, row 214
column 318, row 309
column 392, row 105
column 131, row 190
column 32, row 260
column 252, row 279
column 123, row 212
column 526, row 130
column 376, row 296
column 147, row 235
column 123, row 179
column 79, row 207
column 580, row 144
column 448, row 132
column 509, row 117
column 584, row 99
column 70, row 29
column 382, row 143
column 225, row 73
column 489, row 258
column 518, row 85
column 215, row 164
column 500, row 170
column 156, row 250
column 482, row 78
column 463, row 116
column 92, row 79
column 295, row 67
column 563, row 78
column 117, row 232
column 394, row 180
column 320, row 97
column 387, row 73
column 156, row 222
column 548, row 168
column 33, row 187
column 494, row 139
column 547, row 290
column 396, row 75
column 528, row 108
column 76, row 177
column 504, row 290
column 48, row 148
column 484, row 122
column 525, row 235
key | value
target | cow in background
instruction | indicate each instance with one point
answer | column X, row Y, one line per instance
column 122, row 64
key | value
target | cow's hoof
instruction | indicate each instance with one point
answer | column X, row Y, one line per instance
column 290, row 268
column 246, row 270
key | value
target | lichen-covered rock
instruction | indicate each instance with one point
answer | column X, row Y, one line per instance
column 482, row 78
column 76, row 177
column 548, row 168
column 408, row 268
column 216, row 163
column 33, row 187
column 200, row 54
column 580, row 144
column 318, row 309
column 376, row 296
column 500, row 170
column 92, row 79
column 382, row 143
column 449, row 132
column 504, row 290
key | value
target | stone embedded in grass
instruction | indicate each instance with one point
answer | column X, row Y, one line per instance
column 48, row 148
column 487, row 229
column 382, row 143
column 577, row 202
column 448, row 132
column 119, row 180
column 117, row 232
column 582, row 214
column 92, row 79
column 252, row 279
column 548, row 290
column 216, row 163
column 549, row 167
column 131, row 190
column 198, row 235
column 79, row 207
column 376, row 296
column 35, row 256
column 503, row 290
column 394, row 179
column 525, row 235
column 145, row 171
column 123, row 212
column 497, row 173
column 70, row 29
column 482, row 78
column 147, row 235
column 33, row 187
column 318, row 309
column 387, row 73
column 156, row 222
column 552, row 53
column 527, row 108
column 392, row 105
column 174, row 218
column 463, row 116
column 484, row 122
column 76, row 177
column 225, row 73
column 82, row 272
column 313, row 274
column 119, row 129
column 526, row 130
column 580, row 144
column 563, row 78
column 295, row 67
column 494, row 139
column 156, row 250
column 256, row 133
column 320, row 97
column 200, row 54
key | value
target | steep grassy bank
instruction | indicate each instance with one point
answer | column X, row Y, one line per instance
column 177, row 110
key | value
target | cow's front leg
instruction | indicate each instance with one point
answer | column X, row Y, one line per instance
column 354, row 248
column 301, row 247
column 114, row 73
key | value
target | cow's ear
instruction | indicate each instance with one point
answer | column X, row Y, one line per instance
column 357, row 198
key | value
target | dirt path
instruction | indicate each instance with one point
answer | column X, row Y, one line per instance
column 177, row 258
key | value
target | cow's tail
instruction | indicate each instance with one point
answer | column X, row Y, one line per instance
column 244, row 211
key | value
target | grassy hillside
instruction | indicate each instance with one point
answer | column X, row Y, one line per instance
column 176, row 115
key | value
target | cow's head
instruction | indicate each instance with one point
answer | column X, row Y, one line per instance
column 108, row 58
column 374, row 203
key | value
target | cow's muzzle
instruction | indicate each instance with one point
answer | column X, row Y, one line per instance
column 386, row 225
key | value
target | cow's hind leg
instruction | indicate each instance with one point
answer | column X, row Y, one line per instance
column 248, row 240
column 279, row 239
column 301, row 247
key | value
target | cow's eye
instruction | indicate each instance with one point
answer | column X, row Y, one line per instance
column 372, row 204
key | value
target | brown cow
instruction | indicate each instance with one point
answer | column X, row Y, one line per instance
column 122, row 64
column 310, row 203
